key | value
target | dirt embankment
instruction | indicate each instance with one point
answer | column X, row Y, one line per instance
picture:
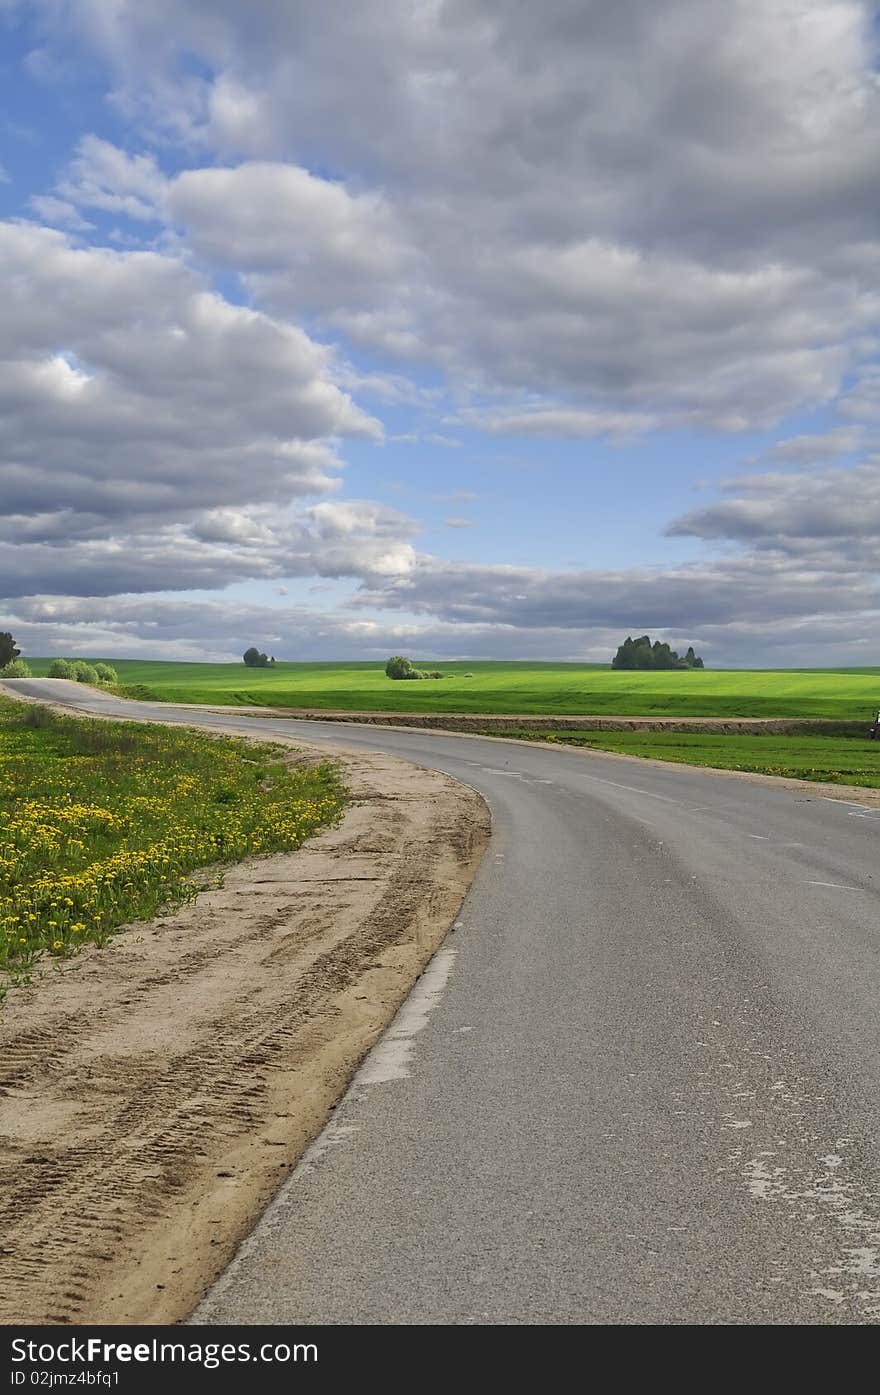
column 155, row 1094
column 525, row 721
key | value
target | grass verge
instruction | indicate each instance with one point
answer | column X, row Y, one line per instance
column 837, row 760
column 102, row 823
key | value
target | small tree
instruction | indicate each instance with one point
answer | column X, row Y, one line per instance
column 61, row 668
column 399, row 667
column 17, row 668
column 85, row 673
column 8, row 649
column 106, row 673
column 254, row 659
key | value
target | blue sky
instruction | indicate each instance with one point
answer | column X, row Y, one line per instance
column 451, row 328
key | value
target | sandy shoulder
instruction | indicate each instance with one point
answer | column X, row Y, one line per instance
column 156, row 1094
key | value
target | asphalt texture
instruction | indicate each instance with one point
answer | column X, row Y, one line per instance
column 639, row 1083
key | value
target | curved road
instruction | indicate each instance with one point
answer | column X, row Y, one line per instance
column 638, row 1085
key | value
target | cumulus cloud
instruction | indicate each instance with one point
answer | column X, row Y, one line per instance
column 830, row 516
column 304, row 243
column 133, row 401
column 211, row 550
column 59, row 212
column 814, row 448
column 104, row 177
column 667, row 209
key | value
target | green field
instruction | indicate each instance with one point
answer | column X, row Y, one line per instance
column 553, row 689
column 837, row 760
column 103, row 822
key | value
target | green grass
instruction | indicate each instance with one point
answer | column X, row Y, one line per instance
column 836, row 760
column 102, row 823
column 546, row 688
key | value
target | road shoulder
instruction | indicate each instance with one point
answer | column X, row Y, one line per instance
column 157, row 1093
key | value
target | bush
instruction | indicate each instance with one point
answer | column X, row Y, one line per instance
column 399, row 667
column 16, row 669
column 82, row 672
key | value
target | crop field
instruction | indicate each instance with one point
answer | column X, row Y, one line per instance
column 838, row 760
column 553, row 689
column 102, row 823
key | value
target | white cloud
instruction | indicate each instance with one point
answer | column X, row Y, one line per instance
column 305, row 243
column 133, row 400
column 557, row 421
column 59, row 212
column 102, row 176
column 814, row 448
column 828, row 518
column 662, row 209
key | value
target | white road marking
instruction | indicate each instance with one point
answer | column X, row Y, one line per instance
column 762, row 837
column 597, row 780
column 838, row 886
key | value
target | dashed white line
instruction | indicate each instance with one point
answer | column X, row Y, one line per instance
column 838, row 886
column 633, row 788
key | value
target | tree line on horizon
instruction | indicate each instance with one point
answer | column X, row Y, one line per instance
column 642, row 654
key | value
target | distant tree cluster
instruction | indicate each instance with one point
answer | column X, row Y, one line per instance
column 254, row 659
column 641, row 653
column 399, row 667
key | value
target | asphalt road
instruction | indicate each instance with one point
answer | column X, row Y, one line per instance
column 638, row 1085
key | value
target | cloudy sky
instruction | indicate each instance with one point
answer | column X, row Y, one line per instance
column 456, row 327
